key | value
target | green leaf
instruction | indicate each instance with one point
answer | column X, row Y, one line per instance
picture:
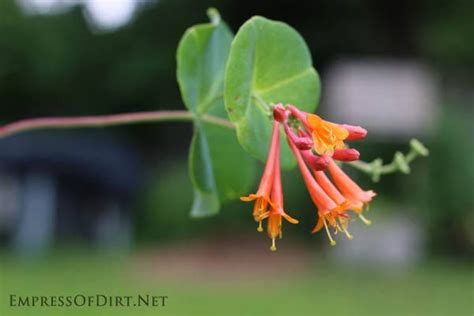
column 202, row 55
column 269, row 62
column 234, row 169
column 206, row 200
column 219, row 168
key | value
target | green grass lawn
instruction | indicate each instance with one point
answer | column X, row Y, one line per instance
column 321, row 289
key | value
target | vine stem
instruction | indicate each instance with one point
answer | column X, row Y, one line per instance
column 401, row 162
column 107, row 120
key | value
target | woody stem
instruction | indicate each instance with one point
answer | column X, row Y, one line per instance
column 108, row 120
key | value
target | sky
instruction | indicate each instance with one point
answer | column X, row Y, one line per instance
column 102, row 15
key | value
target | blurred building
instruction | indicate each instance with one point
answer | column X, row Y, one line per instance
column 393, row 99
column 66, row 187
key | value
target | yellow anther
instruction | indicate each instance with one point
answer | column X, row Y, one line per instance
column 273, row 246
column 332, row 241
column 349, row 236
column 343, row 228
column 365, row 220
column 260, row 227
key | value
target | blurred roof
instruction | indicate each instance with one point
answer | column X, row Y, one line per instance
column 92, row 158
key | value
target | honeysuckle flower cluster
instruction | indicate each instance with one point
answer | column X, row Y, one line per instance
column 316, row 144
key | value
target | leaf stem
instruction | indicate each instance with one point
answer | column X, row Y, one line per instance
column 400, row 162
column 107, row 120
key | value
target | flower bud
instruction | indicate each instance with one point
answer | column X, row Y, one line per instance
column 348, row 154
column 355, row 132
column 302, row 143
column 279, row 113
column 317, row 163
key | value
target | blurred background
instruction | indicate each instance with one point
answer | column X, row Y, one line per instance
column 107, row 211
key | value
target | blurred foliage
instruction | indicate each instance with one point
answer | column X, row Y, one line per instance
column 443, row 35
column 162, row 210
column 53, row 64
column 448, row 190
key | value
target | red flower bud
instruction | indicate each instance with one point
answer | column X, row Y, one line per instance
column 302, row 143
column 279, row 113
column 317, row 163
column 355, row 132
column 348, row 154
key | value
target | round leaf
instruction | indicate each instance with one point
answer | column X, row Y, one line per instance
column 269, row 62
column 201, row 58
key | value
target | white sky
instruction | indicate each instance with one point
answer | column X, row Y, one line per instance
column 110, row 13
column 101, row 14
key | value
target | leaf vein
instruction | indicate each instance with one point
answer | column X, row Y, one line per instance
column 284, row 82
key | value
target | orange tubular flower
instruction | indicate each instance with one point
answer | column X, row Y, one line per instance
column 327, row 136
column 277, row 212
column 328, row 211
column 337, row 197
column 262, row 197
column 316, row 145
column 357, row 197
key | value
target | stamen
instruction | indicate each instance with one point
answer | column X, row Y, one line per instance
column 273, row 246
column 344, row 229
column 349, row 236
column 332, row 241
column 260, row 227
column 365, row 220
